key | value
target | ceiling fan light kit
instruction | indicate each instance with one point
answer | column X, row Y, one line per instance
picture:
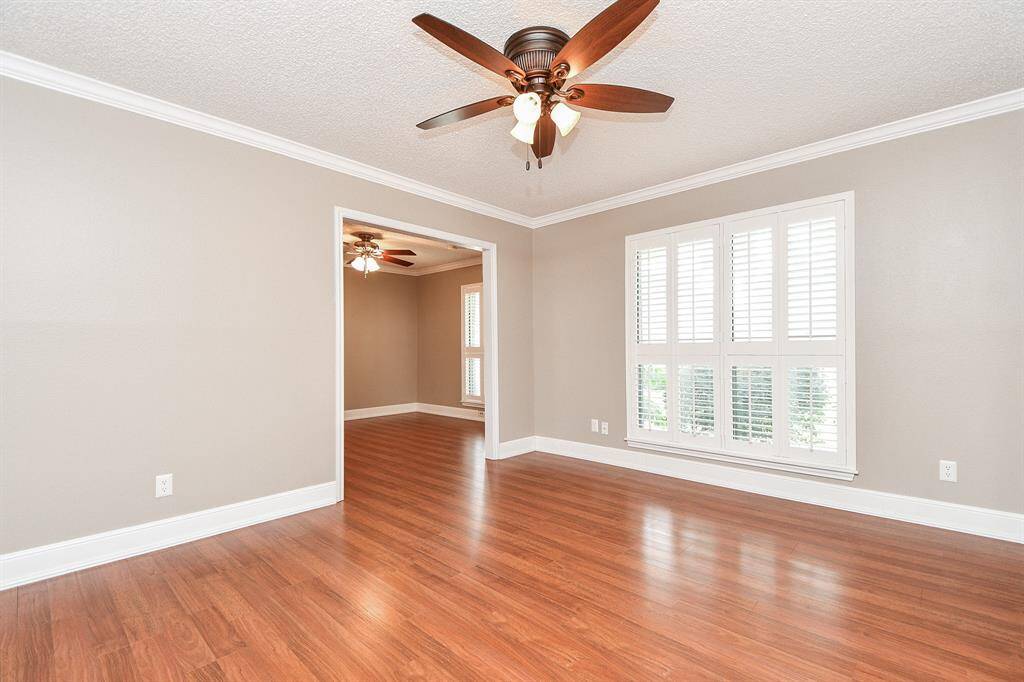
column 537, row 61
column 368, row 254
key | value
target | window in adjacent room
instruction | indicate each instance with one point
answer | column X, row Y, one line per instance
column 472, row 344
column 740, row 338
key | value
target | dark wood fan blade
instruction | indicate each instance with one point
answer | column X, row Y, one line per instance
column 396, row 261
column 398, row 252
column 468, row 111
column 621, row 98
column 468, row 46
column 349, row 261
column 544, row 137
column 602, row 33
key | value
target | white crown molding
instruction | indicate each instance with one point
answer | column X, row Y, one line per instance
column 38, row 563
column 960, row 113
column 431, row 269
column 958, row 517
column 37, row 73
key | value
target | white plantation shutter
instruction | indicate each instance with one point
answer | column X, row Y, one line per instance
column 652, row 397
column 695, row 291
column 752, row 403
column 751, row 283
column 471, row 371
column 697, row 400
column 651, row 289
column 471, row 319
column 472, row 346
column 813, row 408
column 739, row 338
column 812, row 274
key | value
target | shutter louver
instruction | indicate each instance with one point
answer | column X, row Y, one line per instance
column 695, row 291
column 812, row 279
column 472, row 369
column 750, row 258
column 814, row 408
column 652, row 295
column 751, row 397
column 697, row 400
column 652, row 397
column 471, row 315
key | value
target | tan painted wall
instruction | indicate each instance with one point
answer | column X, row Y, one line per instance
column 410, row 329
column 168, row 308
column 440, row 334
column 381, row 330
column 940, row 306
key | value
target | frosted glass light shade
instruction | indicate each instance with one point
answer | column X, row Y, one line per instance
column 565, row 117
column 372, row 265
column 524, row 132
column 359, row 263
column 526, row 107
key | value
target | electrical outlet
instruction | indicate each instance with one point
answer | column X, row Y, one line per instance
column 604, row 428
column 594, row 426
column 164, row 485
column 947, row 470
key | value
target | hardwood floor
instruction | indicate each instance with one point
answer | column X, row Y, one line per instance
column 538, row 567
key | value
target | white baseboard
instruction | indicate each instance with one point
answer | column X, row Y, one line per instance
column 405, row 408
column 519, row 446
column 38, row 563
column 381, row 411
column 959, row 517
column 446, row 411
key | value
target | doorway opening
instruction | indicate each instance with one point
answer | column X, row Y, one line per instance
column 416, row 327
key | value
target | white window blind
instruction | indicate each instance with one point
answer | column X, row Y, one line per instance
column 471, row 372
column 752, row 404
column 651, row 274
column 472, row 345
column 652, row 397
column 471, row 328
column 812, row 277
column 697, row 400
column 738, row 338
column 751, row 284
column 695, row 291
column 814, row 408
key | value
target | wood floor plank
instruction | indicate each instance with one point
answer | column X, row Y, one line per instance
column 441, row 566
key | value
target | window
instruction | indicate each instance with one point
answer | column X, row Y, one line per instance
column 472, row 344
column 740, row 338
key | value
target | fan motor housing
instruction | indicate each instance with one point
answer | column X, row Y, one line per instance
column 532, row 50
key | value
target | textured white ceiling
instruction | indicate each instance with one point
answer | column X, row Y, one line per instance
column 354, row 77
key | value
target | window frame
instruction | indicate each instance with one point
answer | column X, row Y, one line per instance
column 780, row 353
column 469, row 352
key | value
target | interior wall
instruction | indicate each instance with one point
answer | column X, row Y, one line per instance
column 940, row 306
column 381, row 331
column 168, row 307
column 440, row 334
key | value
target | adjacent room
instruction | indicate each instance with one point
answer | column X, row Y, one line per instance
column 479, row 340
column 414, row 337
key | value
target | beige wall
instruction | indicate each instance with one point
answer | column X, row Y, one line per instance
column 440, row 334
column 381, row 332
column 168, row 308
column 940, row 306
column 402, row 337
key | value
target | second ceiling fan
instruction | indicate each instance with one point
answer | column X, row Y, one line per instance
column 538, row 61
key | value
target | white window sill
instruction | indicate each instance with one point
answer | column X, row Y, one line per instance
column 825, row 471
column 475, row 404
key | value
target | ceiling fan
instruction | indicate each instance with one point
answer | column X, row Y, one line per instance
column 537, row 62
column 367, row 252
